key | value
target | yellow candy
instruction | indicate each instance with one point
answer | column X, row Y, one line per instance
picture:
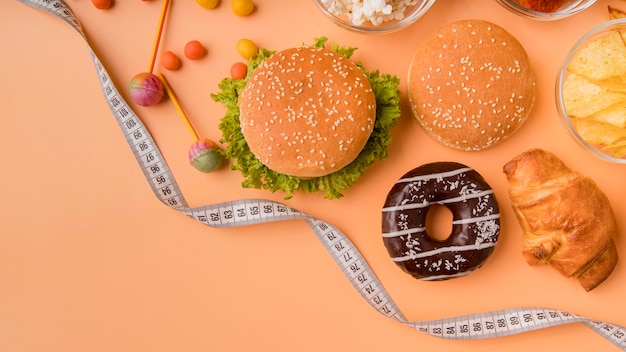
column 242, row 7
column 208, row 4
column 246, row 48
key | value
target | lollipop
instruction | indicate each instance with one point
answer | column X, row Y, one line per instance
column 146, row 88
column 204, row 154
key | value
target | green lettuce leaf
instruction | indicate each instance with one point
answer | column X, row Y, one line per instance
column 257, row 175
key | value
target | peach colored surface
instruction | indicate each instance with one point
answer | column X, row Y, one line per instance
column 90, row 260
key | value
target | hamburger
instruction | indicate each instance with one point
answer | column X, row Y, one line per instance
column 470, row 85
column 307, row 118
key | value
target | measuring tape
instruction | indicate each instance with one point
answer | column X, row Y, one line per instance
column 347, row 257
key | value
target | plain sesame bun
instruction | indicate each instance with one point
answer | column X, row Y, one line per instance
column 471, row 85
column 307, row 112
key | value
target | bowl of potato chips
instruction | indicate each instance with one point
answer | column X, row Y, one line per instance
column 591, row 91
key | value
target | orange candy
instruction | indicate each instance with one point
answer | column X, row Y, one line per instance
column 170, row 61
column 102, row 4
column 238, row 70
column 194, row 50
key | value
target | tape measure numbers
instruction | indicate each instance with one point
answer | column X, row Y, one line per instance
column 346, row 256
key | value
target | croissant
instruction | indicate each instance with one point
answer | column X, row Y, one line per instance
column 567, row 221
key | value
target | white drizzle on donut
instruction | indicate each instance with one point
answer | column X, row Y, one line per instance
column 463, row 197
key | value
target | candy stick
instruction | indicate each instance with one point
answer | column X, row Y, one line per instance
column 178, row 107
column 157, row 39
column 204, row 154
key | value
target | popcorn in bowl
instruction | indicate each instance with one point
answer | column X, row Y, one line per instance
column 374, row 11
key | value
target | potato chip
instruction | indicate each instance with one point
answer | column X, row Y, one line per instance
column 613, row 84
column 602, row 58
column 583, row 98
column 616, row 152
column 614, row 115
column 615, row 13
column 595, row 132
column 618, row 149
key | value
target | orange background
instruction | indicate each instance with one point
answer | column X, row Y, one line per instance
column 90, row 260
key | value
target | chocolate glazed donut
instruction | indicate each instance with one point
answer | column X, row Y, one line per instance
column 475, row 221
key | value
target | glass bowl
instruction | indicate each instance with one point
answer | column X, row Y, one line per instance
column 342, row 13
column 605, row 121
column 568, row 8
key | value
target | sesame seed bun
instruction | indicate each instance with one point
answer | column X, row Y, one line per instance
column 470, row 85
column 307, row 112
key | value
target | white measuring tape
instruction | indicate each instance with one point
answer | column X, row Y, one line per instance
column 348, row 258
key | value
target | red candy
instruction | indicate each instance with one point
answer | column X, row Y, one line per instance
column 170, row 61
column 238, row 70
column 102, row 4
column 194, row 50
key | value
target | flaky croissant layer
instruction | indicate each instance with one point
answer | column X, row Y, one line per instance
column 567, row 221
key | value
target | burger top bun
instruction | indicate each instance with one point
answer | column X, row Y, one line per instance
column 470, row 85
column 307, row 112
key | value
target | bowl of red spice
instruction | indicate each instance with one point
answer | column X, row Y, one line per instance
column 546, row 10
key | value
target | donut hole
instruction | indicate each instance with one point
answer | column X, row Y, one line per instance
column 439, row 222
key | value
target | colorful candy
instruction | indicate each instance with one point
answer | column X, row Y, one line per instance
column 170, row 61
column 194, row 50
column 247, row 49
column 208, row 4
column 205, row 155
column 102, row 4
column 146, row 89
column 238, row 70
column 242, row 7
